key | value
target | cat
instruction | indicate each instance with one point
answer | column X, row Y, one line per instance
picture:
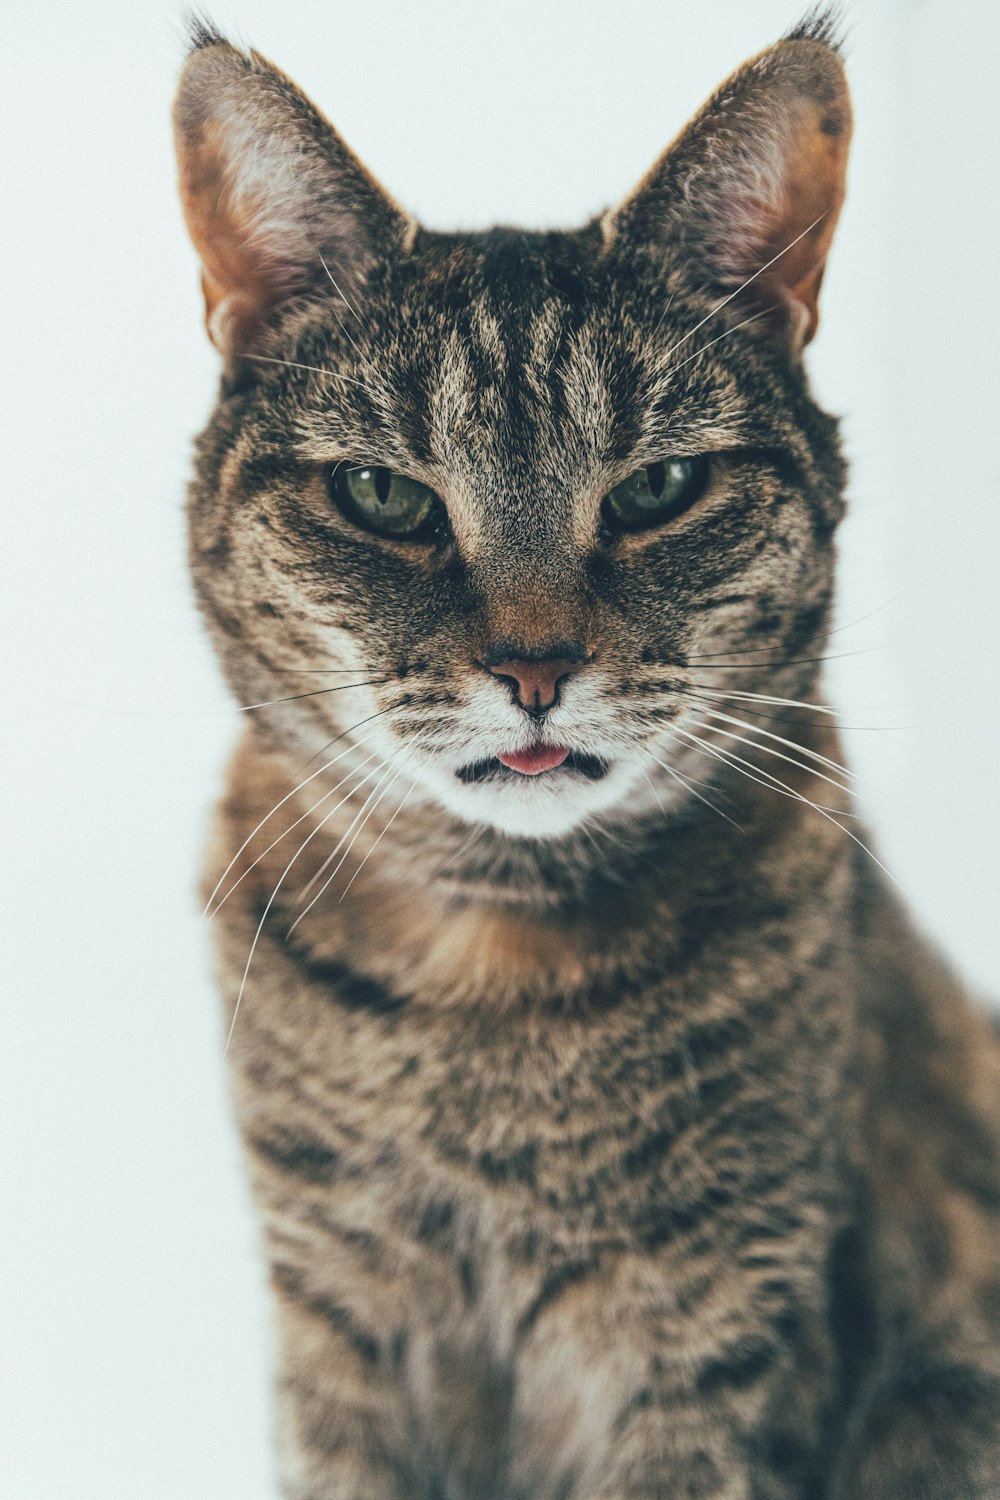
column 613, row 1134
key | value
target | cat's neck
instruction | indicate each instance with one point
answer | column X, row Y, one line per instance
column 465, row 912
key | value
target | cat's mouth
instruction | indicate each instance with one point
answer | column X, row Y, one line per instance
column 547, row 760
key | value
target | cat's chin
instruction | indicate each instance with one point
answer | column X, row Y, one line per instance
column 547, row 806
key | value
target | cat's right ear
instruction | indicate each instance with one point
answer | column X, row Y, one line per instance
column 275, row 202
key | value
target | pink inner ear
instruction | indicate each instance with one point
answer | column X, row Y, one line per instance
column 268, row 187
column 800, row 237
column 248, row 256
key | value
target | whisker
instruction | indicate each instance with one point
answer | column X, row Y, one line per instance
column 684, row 782
column 289, row 795
column 378, row 838
column 652, row 788
column 699, row 697
column 379, row 713
column 320, row 671
column 736, row 762
column 337, row 288
column 694, row 780
column 354, row 828
column 727, row 299
column 333, row 853
column 780, row 739
column 869, row 616
column 778, row 754
column 343, row 326
column 753, row 318
column 714, row 655
column 293, row 364
column 344, row 687
column 666, row 308
column 704, row 664
column 818, row 708
column 282, row 836
column 260, row 925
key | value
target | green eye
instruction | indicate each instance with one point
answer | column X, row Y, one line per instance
column 654, row 494
column 385, row 502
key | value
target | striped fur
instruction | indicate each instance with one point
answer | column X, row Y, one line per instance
column 613, row 1136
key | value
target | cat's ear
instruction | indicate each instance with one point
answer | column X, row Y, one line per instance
column 270, row 192
column 751, row 190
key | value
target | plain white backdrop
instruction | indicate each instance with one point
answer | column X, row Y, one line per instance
column 133, row 1324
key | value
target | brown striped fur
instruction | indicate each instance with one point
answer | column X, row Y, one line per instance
column 613, row 1135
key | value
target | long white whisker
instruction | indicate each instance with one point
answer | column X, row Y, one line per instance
column 267, row 816
column 684, row 782
column 341, row 687
column 742, row 740
column 378, row 714
column 333, row 853
column 779, row 739
column 753, row 318
column 293, row 364
column 728, row 758
column 337, row 288
column 279, row 805
column 817, row 708
column 260, row 925
column 727, row 299
column 350, row 837
column 377, row 839
column 652, row 788
column 283, row 835
column 343, row 326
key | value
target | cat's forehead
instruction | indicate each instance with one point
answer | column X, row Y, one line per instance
column 519, row 349
column 515, row 270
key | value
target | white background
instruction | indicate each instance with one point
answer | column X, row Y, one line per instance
column 133, row 1342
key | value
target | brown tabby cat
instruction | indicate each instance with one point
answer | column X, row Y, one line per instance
column 613, row 1135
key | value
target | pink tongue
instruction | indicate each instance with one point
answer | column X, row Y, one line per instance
column 534, row 762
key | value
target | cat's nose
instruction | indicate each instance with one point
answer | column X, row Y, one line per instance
column 535, row 677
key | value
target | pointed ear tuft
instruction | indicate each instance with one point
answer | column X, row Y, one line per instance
column 270, row 192
column 751, row 191
column 202, row 32
column 824, row 23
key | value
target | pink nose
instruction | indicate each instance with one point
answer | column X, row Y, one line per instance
column 536, row 683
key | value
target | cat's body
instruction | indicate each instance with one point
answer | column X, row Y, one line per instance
column 649, row 1156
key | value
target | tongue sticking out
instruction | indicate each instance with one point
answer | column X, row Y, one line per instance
column 534, row 762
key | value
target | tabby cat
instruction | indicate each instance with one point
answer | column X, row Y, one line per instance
column 613, row 1135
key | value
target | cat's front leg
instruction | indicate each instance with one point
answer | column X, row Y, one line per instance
column 934, row 1436
column 339, row 1432
column 681, row 1457
column 639, row 1398
column 685, row 1452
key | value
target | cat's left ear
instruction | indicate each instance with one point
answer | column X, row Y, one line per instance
column 751, row 190
column 270, row 193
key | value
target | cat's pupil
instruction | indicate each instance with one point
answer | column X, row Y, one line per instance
column 383, row 484
column 656, row 478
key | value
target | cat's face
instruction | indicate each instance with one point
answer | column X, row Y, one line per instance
column 514, row 511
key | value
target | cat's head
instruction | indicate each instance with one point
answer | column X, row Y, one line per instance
column 552, row 501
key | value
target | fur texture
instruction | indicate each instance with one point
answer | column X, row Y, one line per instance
column 613, row 1135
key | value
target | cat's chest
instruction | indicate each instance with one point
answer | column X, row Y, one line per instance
column 464, row 1183
column 586, row 1111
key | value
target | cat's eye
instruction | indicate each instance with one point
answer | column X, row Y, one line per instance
column 386, row 502
column 654, row 494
